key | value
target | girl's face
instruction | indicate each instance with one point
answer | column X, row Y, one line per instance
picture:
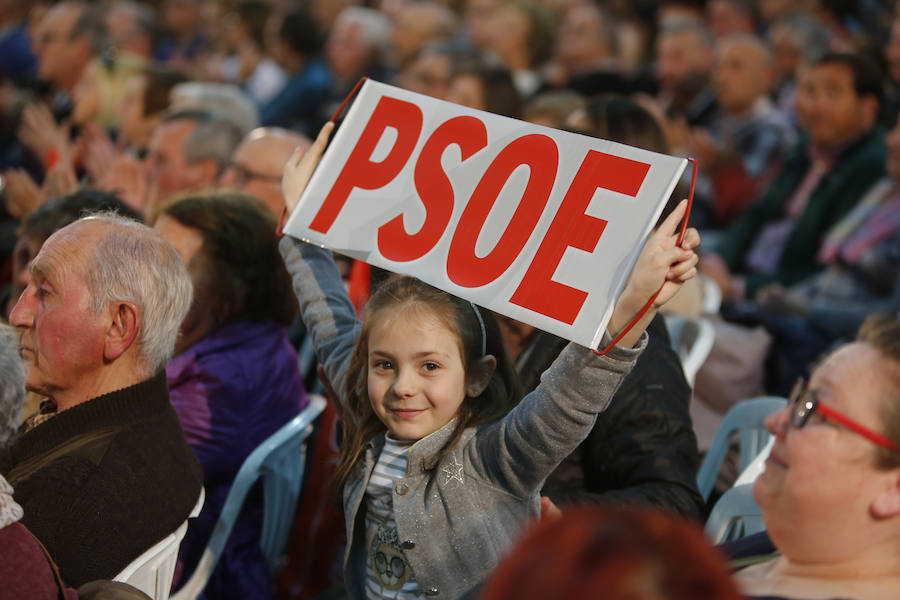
column 415, row 373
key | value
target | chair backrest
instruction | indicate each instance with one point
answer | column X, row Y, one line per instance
column 734, row 516
column 747, row 418
column 692, row 338
column 279, row 461
column 152, row 571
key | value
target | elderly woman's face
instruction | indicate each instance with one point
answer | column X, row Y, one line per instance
column 821, row 480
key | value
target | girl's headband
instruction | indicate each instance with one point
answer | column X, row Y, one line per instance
column 481, row 323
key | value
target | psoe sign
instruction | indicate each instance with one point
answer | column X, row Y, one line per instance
column 534, row 223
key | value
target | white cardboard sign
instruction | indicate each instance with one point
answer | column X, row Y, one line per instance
column 534, row 223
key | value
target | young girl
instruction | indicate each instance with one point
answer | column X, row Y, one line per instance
column 436, row 480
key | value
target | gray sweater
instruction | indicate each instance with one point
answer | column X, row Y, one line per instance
column 457, row 515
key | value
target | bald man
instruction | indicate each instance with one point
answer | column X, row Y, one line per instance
column 258, row 161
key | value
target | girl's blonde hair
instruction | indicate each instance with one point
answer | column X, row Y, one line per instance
column 360, row 423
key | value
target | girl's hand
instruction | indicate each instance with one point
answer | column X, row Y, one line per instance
column 661, row 263
column 300, row 167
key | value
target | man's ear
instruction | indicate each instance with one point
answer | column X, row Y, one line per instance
column 479, row 375
column 887, row 504
column 125, row 323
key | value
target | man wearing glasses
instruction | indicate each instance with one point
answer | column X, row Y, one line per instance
column 257, row 164
column 830, row 493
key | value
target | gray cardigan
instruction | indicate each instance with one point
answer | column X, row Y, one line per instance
column 457, row 516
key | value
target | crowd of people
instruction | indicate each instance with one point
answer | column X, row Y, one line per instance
column 159, row 324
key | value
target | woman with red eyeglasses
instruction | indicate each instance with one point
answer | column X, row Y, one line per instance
column 830, row 493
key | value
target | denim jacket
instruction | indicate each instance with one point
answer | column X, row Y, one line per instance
column 457, row 515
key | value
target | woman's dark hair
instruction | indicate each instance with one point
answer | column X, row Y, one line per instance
column 399, row 297
column 242, row 276
column 301, row 32
column 620, row 119
column 883, row 332
column 159, row 82
column 500, row 94
column 867, row 77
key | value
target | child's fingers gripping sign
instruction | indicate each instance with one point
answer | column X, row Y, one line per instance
column 300, row 167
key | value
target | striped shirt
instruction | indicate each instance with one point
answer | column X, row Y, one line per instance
column 388, row 573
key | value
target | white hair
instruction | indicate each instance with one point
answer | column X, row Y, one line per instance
column 132, row 262
column 222, row 99
column 375, row 28
column 12, row 383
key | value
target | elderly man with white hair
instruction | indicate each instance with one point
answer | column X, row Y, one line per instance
column 103, row 472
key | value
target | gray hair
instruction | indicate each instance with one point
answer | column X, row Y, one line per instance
column 222, row 99
column 809, row 37
column 12, row 384
column 214, row 137
column 91, row 24
column 375, row 28
column 133, row 262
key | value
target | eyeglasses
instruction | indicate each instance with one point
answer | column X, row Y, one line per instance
column 805, row 401
column 242, row 175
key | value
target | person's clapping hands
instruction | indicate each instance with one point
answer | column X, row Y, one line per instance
column 43, row 136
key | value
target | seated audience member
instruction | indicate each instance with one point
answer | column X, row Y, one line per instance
column 484, row 83
column 187, row 153
column 12, row 392
column 24, row 568
column 144, row 104
column 553, row 108
column 246, row 63
column 418, row 25
column 614, row 554
column 684, row 64
column 587, row 55
column 258, row 162
column 520, row 32
column 861, row 276
column 357, row 46
column 296, row 46
column 642, row 449
column 235, row 379
column 823, row 177
column 744, row 145
column 830, row 493
column 108, row 473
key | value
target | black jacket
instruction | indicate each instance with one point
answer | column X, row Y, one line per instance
column 642, row 449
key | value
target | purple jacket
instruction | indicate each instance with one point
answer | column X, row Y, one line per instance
column 232, row 390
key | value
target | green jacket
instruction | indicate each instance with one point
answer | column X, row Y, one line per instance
column 854, row 172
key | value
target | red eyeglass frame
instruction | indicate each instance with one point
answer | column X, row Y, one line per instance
column 813, row 404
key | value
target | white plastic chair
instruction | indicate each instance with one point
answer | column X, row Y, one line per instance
column 152, row 571
column 756, row 466
column 692, row 338
column 279, row 461
column 734, row 516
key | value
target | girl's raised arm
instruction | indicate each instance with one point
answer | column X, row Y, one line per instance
column 325, row 308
